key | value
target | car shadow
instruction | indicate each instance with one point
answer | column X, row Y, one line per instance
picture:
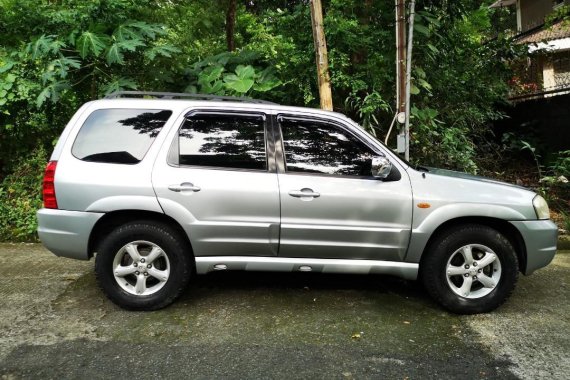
column 230, row 281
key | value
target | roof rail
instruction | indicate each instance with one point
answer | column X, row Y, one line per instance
column 180, row 95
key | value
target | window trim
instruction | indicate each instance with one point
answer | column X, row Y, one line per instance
column 120, row 108
column 281, row 156
column 173, row 155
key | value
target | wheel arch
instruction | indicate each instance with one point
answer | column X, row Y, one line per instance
column 509, row 231
column 111, row 220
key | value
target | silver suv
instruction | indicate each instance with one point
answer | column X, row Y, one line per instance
column 160, row 187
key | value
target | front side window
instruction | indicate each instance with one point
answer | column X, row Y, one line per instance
column 223, row 140
column 323, row 148
column 119, row 136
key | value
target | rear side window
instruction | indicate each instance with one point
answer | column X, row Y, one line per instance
column 227, row 141
column 119, row 136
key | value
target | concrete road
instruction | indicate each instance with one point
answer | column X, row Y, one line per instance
column 55, row 323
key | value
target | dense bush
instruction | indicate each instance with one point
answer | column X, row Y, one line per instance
column 21, row 197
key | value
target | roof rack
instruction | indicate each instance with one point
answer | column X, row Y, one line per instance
column 180, row 95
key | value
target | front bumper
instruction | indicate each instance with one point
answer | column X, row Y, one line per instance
column 540, row 238
column 66, row 233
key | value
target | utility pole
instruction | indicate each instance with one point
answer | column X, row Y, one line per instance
column 409, row 78
column 403, row 75
column 321, row 56
column 400, row 55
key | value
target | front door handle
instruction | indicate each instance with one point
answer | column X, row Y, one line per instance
column 304, row 193
column 185, row 186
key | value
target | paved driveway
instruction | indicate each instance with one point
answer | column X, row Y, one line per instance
column 55, row 323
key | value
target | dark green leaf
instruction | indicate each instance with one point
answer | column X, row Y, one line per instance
column 421, row 29
column 162, row 50
column 245, row 72
column 131, row 45
column 119, row 84
column 40, row 46
column 210, row 74
column 267, row 85
column 6, row 66
column 90, row 44
column 114, row 54
column 241, row 86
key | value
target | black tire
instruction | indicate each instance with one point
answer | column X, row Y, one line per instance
column 434, row 269
column 177, row 258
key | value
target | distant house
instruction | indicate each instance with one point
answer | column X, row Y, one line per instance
column 544, row 26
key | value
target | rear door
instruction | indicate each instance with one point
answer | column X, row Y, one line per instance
column 331, row 206
column 220, row 180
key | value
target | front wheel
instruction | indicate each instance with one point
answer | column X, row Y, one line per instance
column 472, row 269
column 143, row 265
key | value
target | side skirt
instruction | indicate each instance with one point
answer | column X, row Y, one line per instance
column 206, row 264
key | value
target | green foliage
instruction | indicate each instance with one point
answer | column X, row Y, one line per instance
column 558, row 173
column 69, row 53
column 452, row 143
column 460, row 71
column 90, row 43
column 227, row 74
column 535, row 156
column 565, row 221
column 367, row 108
column 561, row 164
column 561, row 13
column 20, row 198
column 57, row 55
column 553, row 177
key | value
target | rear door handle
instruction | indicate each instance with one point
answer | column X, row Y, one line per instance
column 304, row 193
column 185, row 186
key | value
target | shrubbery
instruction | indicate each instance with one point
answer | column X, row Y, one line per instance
column 21, row 197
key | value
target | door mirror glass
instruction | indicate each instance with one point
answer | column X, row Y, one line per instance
column 381, row 167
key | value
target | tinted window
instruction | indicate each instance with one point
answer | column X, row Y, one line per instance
column 230, row 141
column 121, row 136
column 318, row 147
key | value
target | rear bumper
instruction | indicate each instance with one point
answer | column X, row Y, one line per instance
column 540, row 238
column 66, row 233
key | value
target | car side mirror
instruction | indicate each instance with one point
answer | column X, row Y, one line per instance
column 381, row 167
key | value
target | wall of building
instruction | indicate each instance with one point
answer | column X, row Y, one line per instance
column 532, row 13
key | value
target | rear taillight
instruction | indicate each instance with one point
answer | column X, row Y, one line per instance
column 49, row 186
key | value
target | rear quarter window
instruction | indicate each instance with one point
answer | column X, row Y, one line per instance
column 119, row 136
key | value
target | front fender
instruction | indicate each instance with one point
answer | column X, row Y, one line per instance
column 425, row 222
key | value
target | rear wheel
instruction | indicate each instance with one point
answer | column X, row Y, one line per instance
column 143, row 265
column 472, row 269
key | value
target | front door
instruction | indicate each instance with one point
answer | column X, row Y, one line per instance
column 219, row 180
column 331, row 206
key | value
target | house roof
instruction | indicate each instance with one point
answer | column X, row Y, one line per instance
column 557, row 31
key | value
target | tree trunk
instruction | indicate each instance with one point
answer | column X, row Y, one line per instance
column 321, row 55
column 230, row 24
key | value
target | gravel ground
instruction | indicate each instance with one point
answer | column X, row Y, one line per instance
column 55, row 323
